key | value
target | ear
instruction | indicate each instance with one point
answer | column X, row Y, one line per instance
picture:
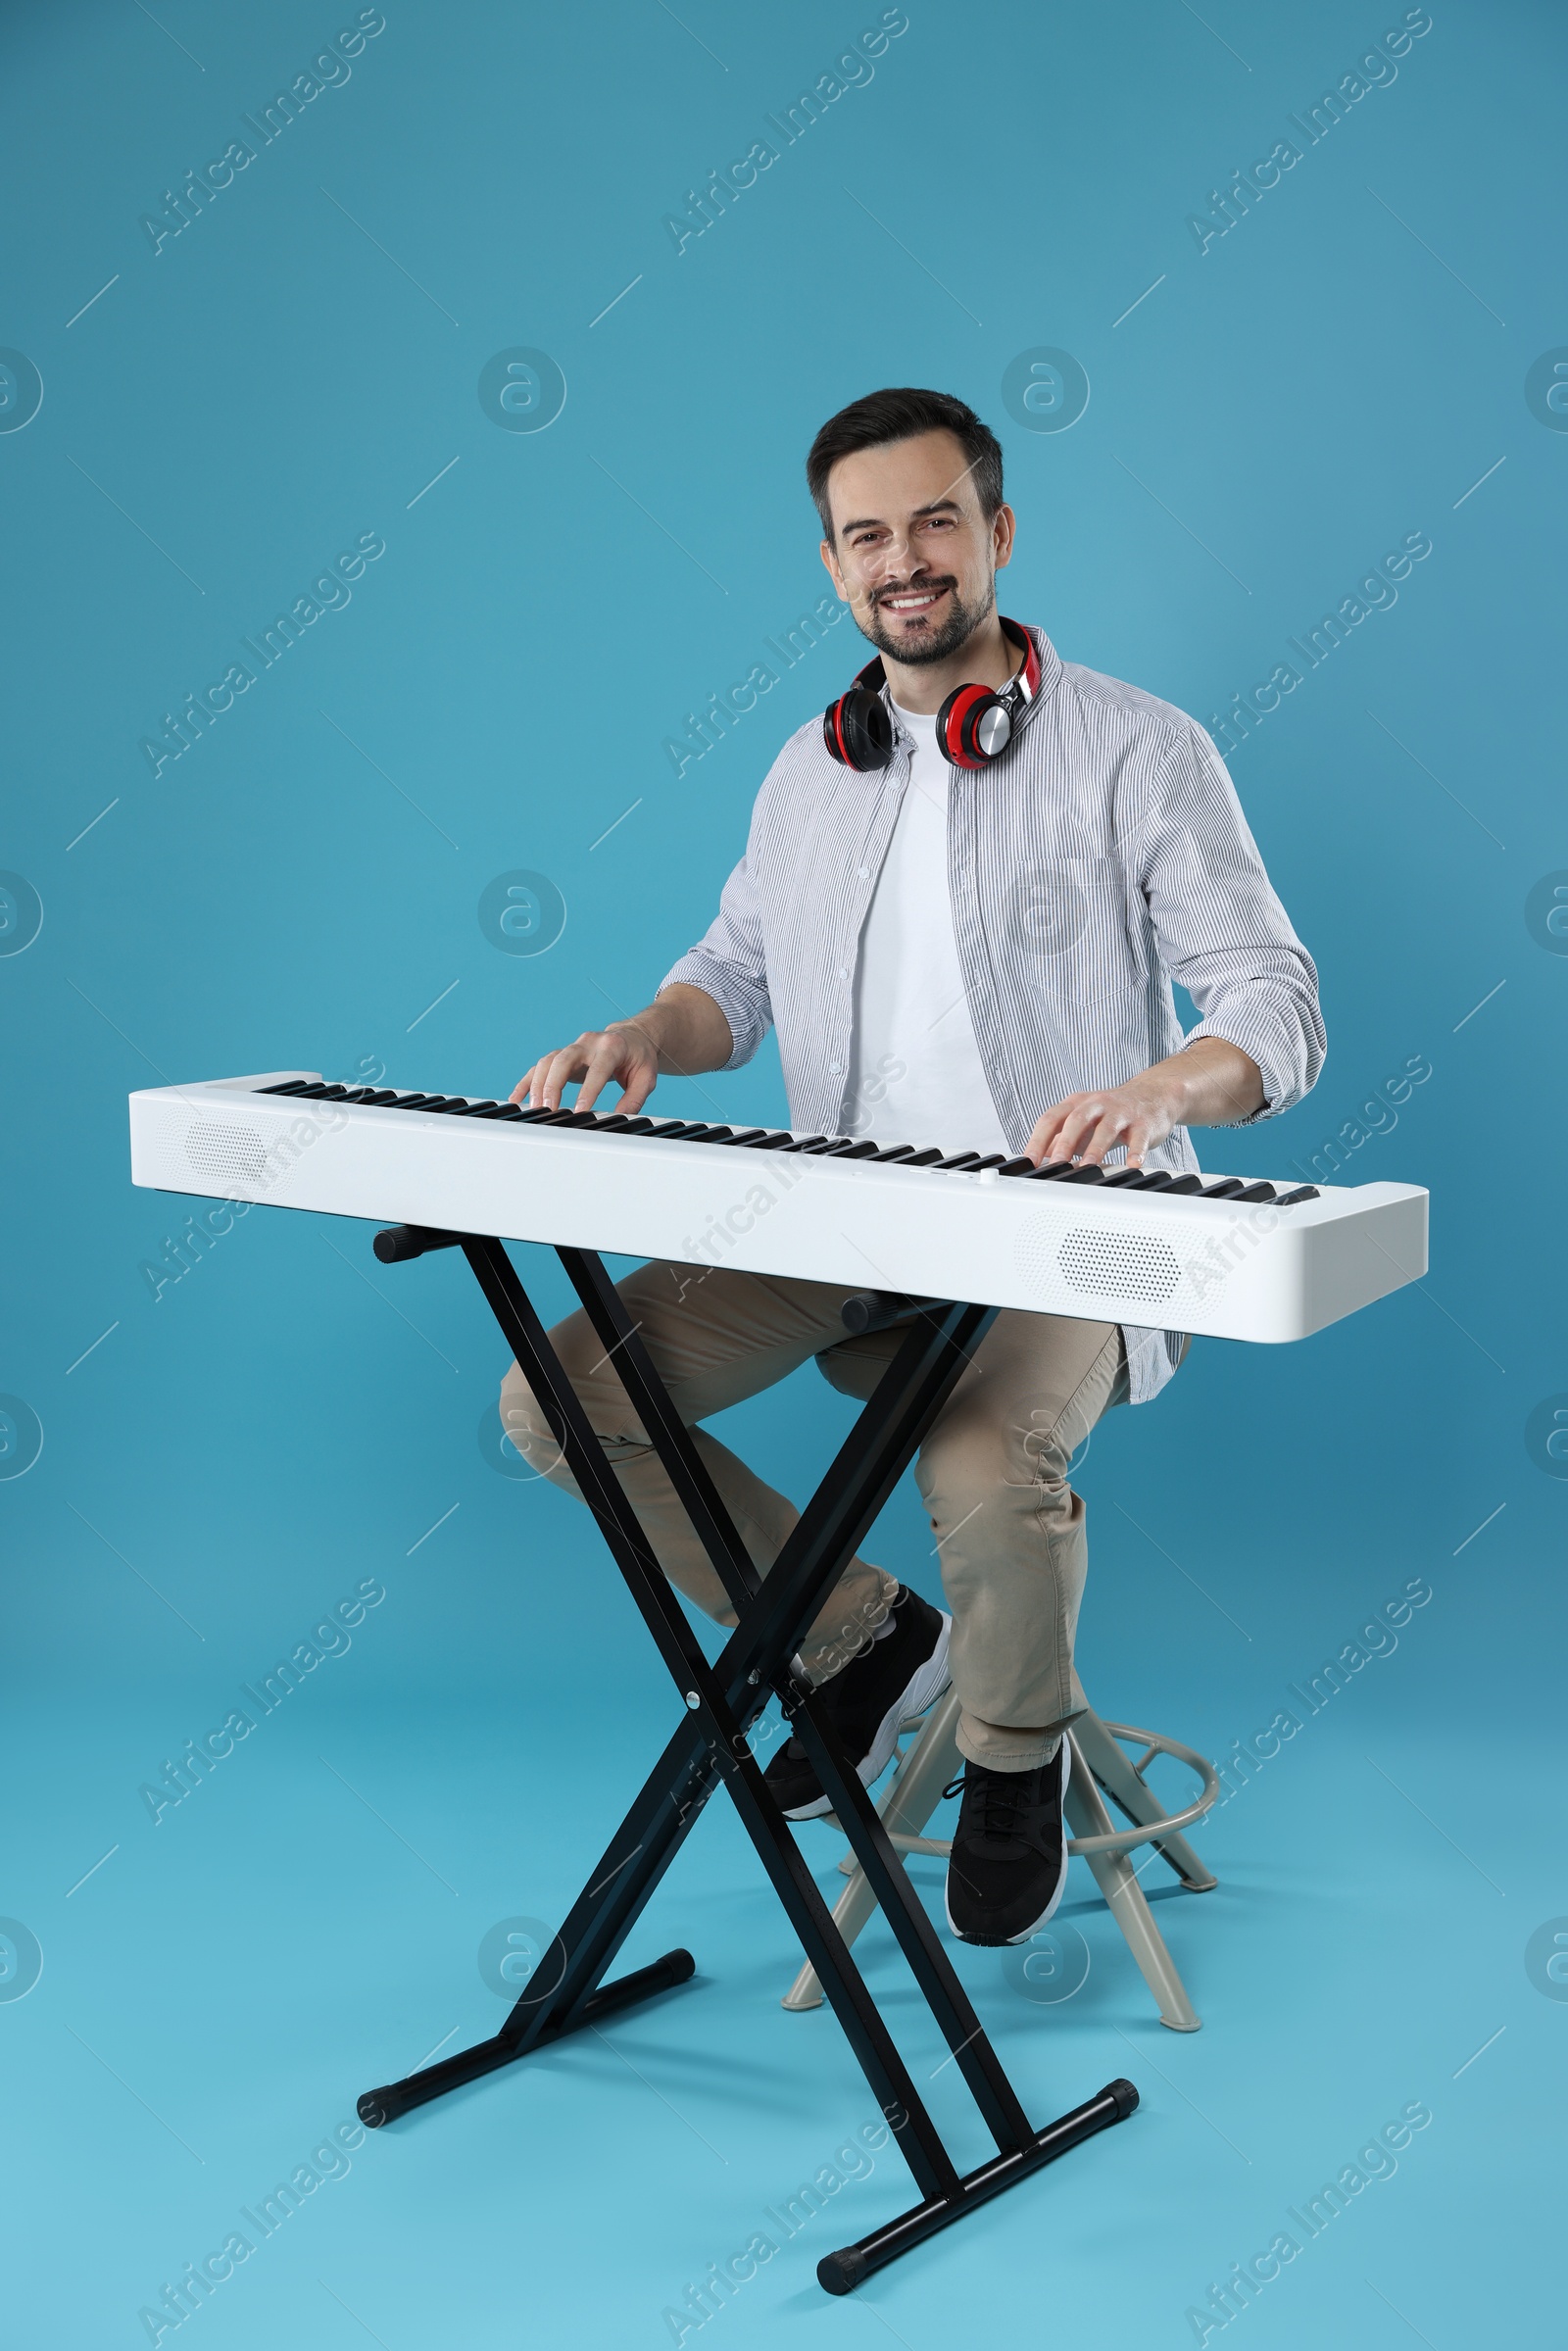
column 1004, row 525
column 825, row 551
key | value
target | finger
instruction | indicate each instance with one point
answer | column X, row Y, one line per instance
column 520, row 1089
column 1109, row 1129
column 536, row 1081
column 1141, row 1135
column 1076, row 1128
column 559, row 1073
column 605, row 1061
column 638, row 1070
column 1148, row 1122
column 1042, row 1143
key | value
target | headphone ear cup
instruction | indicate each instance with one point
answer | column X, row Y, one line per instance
column 974, row 726
column 857, row 730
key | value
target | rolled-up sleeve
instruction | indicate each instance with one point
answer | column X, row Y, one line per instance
column 1223, row 934
column 728, row 965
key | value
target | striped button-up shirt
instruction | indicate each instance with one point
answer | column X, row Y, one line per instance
column 1103, row 855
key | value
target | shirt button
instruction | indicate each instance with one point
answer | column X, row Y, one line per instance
column 835, row 1068
column 844, row 972
column 864, row 874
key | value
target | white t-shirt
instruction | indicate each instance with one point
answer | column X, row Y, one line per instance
column 916, row 1073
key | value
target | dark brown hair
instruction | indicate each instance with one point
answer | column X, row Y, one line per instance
column 897, row 415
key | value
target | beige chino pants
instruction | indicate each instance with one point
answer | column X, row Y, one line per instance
column 992, row 1473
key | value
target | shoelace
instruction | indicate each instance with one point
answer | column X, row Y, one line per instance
column 999, row 1800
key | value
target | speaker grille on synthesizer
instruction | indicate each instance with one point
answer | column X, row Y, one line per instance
column 216, row 1151
column 1119, row 1265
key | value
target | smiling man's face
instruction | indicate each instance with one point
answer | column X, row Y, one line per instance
column 911, row 553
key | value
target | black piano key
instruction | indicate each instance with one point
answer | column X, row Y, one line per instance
column 536, row 1116
column 557, row 1119
column 1052, row 1171
column 1090, row 1172
column 991, row 1159
column 809, row 1143
column 866, row 1149
column 1186, row 1182
column 614, row 1122
column 1016, row 1168
column 1153, row 1179
column 638, row 1126
column 834, row 1149
column 414, row 1101
column 664, row 1129
column 893, row 1150
column 779, row 1140
column 1302, row 1191
column 1122, row 1176
column 926, row 1159
column 745, row 1138
column 476, row 1109
column 383, row 1096
column 289, row 1086
column 708, row 1135
column 1252, row 1191
column 958, row 1159
column 508, row 1110
column 1224, row 1188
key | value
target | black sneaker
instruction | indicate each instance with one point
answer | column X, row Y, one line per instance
column 1009, row 1851
column 868, row 1702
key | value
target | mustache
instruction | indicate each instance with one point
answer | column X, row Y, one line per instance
column 915, row 587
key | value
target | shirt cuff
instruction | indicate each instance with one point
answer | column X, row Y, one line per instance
column 1282, row 1086
column 744, row 1007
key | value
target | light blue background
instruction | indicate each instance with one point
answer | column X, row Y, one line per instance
column 292, row 370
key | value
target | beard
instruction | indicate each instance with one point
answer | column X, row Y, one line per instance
column 917, row 653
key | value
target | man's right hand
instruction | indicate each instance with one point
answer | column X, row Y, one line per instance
column 623, row 1053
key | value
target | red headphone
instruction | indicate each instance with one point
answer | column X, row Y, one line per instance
column 975, row 725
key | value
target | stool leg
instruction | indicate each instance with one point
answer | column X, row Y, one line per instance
column 1119, row 1883
column 1112, row 1768
column 912, row 1795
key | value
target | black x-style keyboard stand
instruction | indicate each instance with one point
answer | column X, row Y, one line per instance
column 708, row 1746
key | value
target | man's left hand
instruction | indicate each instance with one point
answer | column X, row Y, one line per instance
column 1212, row 1083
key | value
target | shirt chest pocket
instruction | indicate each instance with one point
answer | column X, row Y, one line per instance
column 1068, row 928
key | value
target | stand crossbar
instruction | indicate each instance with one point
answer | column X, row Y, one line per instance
column 709, row 1746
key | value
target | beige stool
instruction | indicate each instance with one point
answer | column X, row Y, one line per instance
column 1099, row 1769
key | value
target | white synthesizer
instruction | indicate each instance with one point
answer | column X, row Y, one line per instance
column 1224, row 1257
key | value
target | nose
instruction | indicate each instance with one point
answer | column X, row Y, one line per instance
column 896, row 563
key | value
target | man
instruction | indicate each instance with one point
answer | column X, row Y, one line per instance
column 980, row 959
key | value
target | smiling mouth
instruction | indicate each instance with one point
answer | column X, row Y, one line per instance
column 907, row 601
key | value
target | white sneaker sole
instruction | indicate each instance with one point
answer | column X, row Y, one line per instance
column 1060, row 1887
column 921, row 1693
